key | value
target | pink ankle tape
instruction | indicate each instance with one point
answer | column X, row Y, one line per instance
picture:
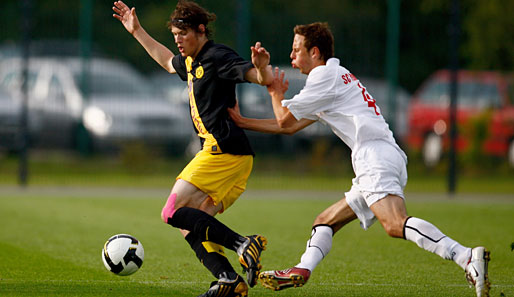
column 169, row 209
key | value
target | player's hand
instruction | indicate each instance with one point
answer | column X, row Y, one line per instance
column 127, row 16
column 260, row 56
column 235, row 114
column 279, row 86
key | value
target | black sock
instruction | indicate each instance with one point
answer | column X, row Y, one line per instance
column 206, row 226
column 212, row 256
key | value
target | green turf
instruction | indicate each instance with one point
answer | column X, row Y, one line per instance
column 51, row 246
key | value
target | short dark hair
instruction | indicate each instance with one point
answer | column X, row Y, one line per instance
column 189, row 14
column 317, row 35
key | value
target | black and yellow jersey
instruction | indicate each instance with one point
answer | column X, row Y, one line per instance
column 212, row 78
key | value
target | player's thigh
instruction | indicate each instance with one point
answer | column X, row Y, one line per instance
column 222, row 177
column 391, row 213
column 337, row 215
column 188, row 194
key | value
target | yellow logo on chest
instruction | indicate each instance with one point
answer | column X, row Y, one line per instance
column 199, row 72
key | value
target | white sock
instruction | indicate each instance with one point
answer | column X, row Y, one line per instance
column 317, row 248
column 428, row 237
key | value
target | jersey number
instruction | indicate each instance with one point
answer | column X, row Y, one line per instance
column 371, row 102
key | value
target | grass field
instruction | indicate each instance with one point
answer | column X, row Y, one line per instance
column 51, row 241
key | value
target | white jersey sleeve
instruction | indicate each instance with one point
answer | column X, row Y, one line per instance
column 314, row 98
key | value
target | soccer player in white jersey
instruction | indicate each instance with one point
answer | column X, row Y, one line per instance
column 335, row 97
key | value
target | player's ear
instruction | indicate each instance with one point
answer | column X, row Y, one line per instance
column 315, row 53
column 201, row 28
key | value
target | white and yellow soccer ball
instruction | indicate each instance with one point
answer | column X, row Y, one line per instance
column 123, row 254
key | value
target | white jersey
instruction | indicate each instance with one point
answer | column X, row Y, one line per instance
column 336, row 97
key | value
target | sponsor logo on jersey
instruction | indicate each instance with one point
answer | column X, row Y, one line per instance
column 199, row 72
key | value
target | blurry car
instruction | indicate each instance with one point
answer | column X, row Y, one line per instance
column 57, row 48
column 174, row 89
column 255, row 102
column 111, row 106
column 171, row 86
column 478, row 92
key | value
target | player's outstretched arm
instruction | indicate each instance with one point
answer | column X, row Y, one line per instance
column 265, row 125
column 277, row 89
column 261, row 73
column 128, row 18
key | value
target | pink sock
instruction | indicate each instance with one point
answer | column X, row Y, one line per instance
column 169, row 209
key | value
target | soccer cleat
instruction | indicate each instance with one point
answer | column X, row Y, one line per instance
column 225, row 287
column 282, row 279
column 476, row 271
column 250, row 257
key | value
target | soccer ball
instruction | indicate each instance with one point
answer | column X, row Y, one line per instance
column 123, row 254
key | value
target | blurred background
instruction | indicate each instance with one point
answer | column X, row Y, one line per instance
column 82, row 103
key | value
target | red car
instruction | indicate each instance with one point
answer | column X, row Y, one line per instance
column 478, row 92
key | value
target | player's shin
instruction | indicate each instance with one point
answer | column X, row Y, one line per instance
column 210, row 254
column 318, row 246
column 206, row 226
column 428, row 237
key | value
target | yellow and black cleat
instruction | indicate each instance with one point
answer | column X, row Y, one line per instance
column 225, row 287
column 250, row 257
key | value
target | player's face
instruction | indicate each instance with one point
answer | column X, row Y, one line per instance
column 187, row 41
column 301, row 58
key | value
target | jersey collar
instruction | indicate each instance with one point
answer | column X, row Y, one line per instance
column 205, row 47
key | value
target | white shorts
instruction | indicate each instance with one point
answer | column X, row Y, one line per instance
column 380, row 169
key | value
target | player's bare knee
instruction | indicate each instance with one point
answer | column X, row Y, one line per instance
column 393, row 228
column 169, row 208
column 322, row 219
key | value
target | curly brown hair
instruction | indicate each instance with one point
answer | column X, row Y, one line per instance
column 189, row 14
column 317, row 35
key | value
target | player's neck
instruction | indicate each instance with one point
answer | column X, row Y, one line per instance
column 316, row 63
column 201, row 44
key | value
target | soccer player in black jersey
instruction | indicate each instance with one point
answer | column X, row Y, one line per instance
column 217, row 175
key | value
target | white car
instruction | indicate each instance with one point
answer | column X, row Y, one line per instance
column 112, row 105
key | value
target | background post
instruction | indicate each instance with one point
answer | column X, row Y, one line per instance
column 23, row 136
column 393, row 32
column 243, row 28
column 454, row 66
column 83, row 144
